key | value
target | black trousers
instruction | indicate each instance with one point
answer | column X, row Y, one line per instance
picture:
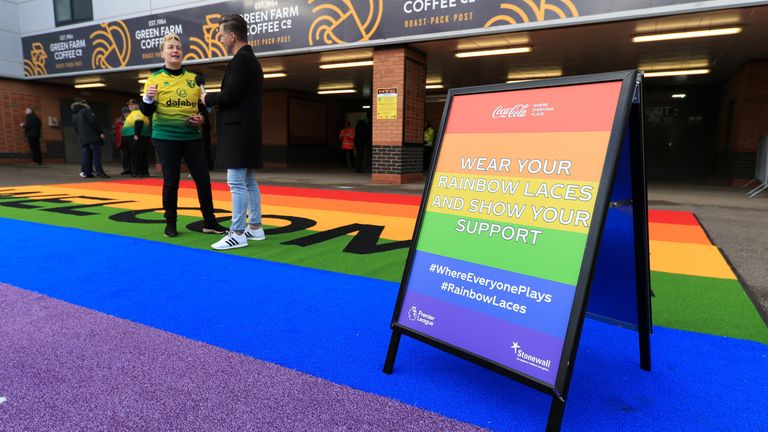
column 34, row 147
column 139, row 149
column 171, row 153
column 125, row 153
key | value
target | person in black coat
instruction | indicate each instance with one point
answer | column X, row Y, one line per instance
column 31, row 127
column 90, row 136
column 238, row 130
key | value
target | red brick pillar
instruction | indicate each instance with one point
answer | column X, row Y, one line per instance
column 745, row 103
column 398, row 143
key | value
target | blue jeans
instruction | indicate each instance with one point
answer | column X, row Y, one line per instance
column 245, row 197
column 91, row 155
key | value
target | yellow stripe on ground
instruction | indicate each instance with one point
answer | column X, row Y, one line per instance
column 689, row 259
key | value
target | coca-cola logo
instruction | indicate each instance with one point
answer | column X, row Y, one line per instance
column 517, row 111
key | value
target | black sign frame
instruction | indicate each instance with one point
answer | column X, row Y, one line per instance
column 627, row 119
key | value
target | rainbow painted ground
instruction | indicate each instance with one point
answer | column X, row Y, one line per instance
column 368, row 234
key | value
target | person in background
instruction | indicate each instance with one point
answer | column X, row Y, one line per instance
column 171, row 97
column 429, row 144
column 117, row 135
column 91, row 138
column 32, row 126
column 238, row 132
column 362, row 136
column 136, row 135
column 347, row 138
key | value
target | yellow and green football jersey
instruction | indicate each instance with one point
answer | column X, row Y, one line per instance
column 129, row 127
column 177, row 99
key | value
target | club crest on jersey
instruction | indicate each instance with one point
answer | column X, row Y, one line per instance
column 191, row 83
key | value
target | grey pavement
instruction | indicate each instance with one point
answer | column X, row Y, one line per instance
column 737, row 224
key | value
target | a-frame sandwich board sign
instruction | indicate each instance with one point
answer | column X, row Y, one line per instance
column 511, row 222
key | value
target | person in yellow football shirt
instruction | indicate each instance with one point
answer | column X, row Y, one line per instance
column 171, row 97
column 136, row 135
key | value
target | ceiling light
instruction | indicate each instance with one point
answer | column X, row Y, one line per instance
column 687, row 34
column 433, row 86
column 275, row 75
column 90, row 85
column 347, row 64
column 534, row 74
column 651, row 66
column 679, row 96
column 366, row 107
column 337, row 91
column 493, row 52
column 655, row 74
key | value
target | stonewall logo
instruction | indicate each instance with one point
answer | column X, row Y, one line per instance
column 417, row 315
column 530, row 360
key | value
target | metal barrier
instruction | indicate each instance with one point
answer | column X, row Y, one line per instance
column 761, row 168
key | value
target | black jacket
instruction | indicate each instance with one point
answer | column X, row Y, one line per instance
column 238, row 121
column 88, row 131
column 32, row 126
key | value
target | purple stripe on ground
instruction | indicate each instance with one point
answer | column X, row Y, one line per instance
column 67, row 368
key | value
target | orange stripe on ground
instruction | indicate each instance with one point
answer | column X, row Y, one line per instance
column 374, row 197
column 689, row 259
column 678, row 233
column 155, row 191
column 586, row 165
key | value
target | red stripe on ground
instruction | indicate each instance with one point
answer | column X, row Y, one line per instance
column 376, row 197
column 672, row 217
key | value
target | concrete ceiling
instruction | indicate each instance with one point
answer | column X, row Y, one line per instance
column 572, row 50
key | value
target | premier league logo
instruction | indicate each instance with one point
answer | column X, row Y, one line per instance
column 413, row 313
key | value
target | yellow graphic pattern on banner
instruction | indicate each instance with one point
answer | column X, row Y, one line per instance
column 209, row 46
column 324, row 28
column 111, row 43
column 537, row 11
column 551, row 204
column 36, row 66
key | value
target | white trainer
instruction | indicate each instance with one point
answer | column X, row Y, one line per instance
column 231, row 240
column 255, row 234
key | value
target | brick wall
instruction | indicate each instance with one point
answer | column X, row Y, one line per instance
column 403, row 68
column 748, row 91
column 16, row 95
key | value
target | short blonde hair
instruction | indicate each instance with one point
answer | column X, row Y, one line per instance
column 170, row 37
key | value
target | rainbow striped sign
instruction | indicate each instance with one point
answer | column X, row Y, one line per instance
column 500, row 249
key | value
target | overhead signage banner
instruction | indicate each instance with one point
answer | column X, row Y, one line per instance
column 281, row 25
column 501, row 246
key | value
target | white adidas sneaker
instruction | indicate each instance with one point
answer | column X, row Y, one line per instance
column 255, row 234
column 231, row 240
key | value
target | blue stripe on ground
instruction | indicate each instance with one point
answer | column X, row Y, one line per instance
column 336, row 327
column 68, row 368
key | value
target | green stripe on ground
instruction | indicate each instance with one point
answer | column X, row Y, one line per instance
column 326, row 255
column 556, row 256
column 705, row 305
